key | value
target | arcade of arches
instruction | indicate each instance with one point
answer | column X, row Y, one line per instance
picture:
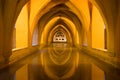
column 27, row 26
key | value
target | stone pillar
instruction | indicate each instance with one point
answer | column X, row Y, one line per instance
column 110, row 40
column 117, row 34
column 89, row 32
column 7, row 43
column 1, row 34
column 5, row 34
column 89, row 39
column 8, row 26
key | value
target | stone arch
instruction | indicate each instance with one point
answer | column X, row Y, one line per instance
column 63, row 12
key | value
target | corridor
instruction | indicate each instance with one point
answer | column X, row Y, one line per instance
column 59, row 39
column 60, row 61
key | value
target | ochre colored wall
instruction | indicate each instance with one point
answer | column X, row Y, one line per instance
column 22, row 28
column 97, row 29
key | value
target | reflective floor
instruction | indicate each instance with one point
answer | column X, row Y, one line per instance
column 60, row 62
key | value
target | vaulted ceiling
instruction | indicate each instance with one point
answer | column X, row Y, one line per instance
column 76, row 11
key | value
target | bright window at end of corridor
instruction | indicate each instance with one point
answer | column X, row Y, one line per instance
column 59, row 36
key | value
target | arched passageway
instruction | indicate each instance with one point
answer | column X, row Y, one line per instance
column 28, row 26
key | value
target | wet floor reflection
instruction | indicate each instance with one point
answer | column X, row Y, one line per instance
column 59, row 62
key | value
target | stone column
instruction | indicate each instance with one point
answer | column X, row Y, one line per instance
column 110, row 40
column 7, row 43
column 1, row 34
column 117, row 34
